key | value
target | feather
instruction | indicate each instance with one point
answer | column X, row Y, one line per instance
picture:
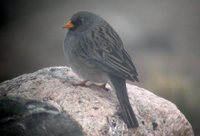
column 106, row 50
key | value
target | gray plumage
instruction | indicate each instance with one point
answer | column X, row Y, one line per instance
column 95, row 52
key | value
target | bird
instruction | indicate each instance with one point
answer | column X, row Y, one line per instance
column 95, row 52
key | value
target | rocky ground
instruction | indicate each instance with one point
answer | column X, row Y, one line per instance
column 95, row 109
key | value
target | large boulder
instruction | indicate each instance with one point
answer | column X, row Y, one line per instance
column 95, row 109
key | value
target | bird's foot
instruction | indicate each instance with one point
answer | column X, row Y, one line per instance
column 83, row 83
column 102, row 86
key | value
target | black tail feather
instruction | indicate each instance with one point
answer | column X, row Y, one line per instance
column 119, row 85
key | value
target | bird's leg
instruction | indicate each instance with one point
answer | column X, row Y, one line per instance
column 82, row 83
column 103, row 86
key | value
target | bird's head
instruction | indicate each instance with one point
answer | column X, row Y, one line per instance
column 81, row 21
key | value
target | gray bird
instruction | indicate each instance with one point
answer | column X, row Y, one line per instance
column 95, row 52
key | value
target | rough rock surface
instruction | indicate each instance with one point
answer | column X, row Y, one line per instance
column 95, row 109
column 24, row 117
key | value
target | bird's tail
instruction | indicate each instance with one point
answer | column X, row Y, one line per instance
column 119, row 85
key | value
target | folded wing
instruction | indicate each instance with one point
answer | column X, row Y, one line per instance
column 104, row 48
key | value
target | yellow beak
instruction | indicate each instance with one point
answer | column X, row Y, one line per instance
column 69, row 25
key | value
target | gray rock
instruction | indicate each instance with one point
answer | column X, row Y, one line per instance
column 24, row 117
column 95, row 109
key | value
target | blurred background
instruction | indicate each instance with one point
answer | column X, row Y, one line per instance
column 162, row 37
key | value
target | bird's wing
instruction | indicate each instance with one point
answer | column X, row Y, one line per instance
column 104, row 47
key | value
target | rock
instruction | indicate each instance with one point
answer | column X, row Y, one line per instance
column 95, row 109
column 19, row 116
